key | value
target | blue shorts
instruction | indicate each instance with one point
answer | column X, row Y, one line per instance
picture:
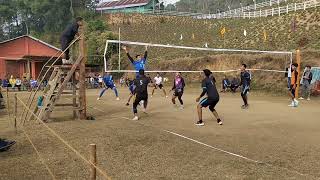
column 131, row 89
column 209, row 102
column 111, row 86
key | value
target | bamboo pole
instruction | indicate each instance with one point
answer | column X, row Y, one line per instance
column 93, row 160
column 15, row 110
column 82, row 77
column 298, row 59
column 8, row 103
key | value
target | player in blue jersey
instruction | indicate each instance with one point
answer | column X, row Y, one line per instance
column 131, row 86
column 108, row 83
column 139, row 63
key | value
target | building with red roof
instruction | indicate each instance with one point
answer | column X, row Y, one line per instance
column 24, row 56
column 127, row 6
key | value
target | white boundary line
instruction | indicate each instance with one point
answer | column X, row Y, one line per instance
column 212, row 147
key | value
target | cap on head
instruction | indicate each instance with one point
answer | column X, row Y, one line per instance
column 207, row 72
column 141, row 72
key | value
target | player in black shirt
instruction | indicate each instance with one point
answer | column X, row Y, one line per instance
column 245, row 83
column 67, row 37
column 209, row 88
column 141, row 91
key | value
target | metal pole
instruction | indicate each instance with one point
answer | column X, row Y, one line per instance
column 298, row 57
column 119, row 60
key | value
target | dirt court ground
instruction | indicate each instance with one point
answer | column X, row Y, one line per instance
column 268, row 141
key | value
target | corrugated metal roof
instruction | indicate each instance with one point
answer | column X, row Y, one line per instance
column 122, row 4
column 35, row 39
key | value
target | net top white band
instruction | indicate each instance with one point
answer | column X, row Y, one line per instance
column 173, row 71
column 197, row 48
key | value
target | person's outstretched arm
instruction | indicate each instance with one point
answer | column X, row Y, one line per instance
column 127, row 52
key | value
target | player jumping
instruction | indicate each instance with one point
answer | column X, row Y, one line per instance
column 141, row 91
column 245, row 85
column 108, row 83
column 139, row 63
column 178, row 87
column 158, row 84
column 209, row 88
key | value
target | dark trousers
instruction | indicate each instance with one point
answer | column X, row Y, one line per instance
column 137, row 101
column 65, row 42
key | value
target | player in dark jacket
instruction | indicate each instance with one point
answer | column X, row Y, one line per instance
column 141, row 92
column 212, row 99
column 67, row 37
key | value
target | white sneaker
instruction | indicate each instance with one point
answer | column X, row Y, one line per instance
column 98, row 99
column 292, row 104
column 199, row 123
column 308, row 99
column 141, row 103
column 118, row 99
column 296, row 103
column 301, row 98
column 181, row 107
column 136, row 118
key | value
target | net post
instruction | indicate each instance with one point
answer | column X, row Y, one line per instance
column 298, row 59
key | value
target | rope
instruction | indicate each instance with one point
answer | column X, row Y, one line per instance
column 66, row 143
column 39, row 155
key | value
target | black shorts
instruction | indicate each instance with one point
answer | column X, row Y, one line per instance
column 158, row 85
column 178, row 93
column 209, row 102
column 292, row 90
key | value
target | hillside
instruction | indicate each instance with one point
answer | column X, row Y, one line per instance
column 168, row 30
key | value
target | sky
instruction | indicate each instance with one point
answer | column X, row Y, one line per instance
column 165, row 1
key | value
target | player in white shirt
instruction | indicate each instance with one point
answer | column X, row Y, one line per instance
column 158, row 84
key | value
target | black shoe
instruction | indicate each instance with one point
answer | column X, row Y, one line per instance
column 127, row 104
column 5, row 145
column 219, row 121
column 199, row 123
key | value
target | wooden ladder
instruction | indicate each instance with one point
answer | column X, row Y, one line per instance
column 60, row 77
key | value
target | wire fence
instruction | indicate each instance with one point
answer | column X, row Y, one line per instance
column 263, row 13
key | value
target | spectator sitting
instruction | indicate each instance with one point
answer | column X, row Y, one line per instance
column 225, row 84
column 1, row 99
column 5, row 83
column 33, row 84
column 25, row 84
column 234, row 84
column 12, row 82
column 18, row 83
